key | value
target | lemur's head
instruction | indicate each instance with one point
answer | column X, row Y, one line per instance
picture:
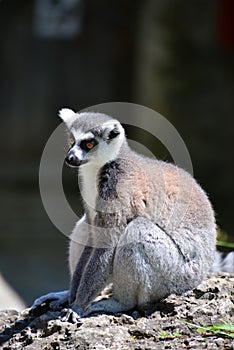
column 93, row 137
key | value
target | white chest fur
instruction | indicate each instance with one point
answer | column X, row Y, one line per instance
column 88, row 176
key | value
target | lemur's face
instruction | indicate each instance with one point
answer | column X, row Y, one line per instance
column 94, row 138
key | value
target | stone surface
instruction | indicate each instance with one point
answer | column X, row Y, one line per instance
column 169, row 324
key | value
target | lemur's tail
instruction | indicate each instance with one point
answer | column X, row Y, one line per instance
column 223, row 262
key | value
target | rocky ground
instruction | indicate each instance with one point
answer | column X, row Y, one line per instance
column 170, row 324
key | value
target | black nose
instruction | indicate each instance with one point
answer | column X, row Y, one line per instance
column 72, row 160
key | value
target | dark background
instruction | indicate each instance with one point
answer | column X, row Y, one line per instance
column 176, row 57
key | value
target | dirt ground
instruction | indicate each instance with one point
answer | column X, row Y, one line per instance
column 173, row 323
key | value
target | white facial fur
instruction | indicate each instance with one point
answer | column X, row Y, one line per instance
column 107, row 151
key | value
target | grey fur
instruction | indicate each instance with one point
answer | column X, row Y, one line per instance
column 88, row 121
column 164, row 232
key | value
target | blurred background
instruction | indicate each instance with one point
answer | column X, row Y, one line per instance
column 174, row 56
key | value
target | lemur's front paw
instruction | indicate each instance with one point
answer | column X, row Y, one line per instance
column 55, row 300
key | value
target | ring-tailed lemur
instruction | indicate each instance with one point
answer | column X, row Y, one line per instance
column 149, row 228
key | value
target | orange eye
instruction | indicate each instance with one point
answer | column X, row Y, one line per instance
column 89, row 145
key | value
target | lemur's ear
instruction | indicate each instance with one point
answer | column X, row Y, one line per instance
column 67, row 115
column 114, row 132
column 112, row 129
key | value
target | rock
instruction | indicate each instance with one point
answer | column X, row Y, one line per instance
column 169, row 324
